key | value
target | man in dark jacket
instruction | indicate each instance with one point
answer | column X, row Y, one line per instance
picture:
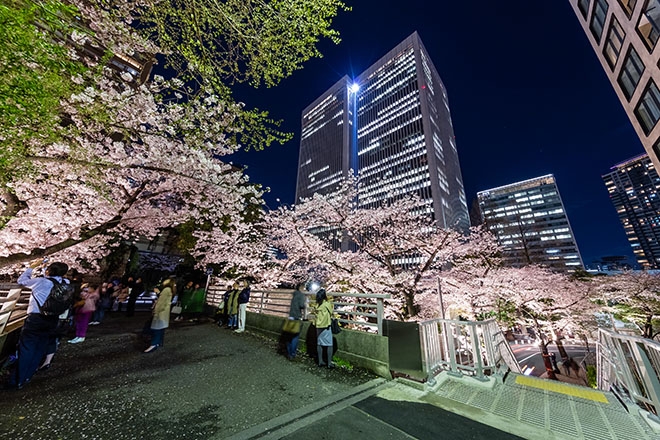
column 296, row 311
column 243, row 299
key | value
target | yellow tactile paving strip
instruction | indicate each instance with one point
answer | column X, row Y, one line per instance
column 558, row 387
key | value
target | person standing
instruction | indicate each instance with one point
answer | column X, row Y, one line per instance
column 83, row 313
column 38, row 330
column 243, row 300
column 161, row 316
column 184, row 301
column 134, row 290
column 296, row 311
column 324, row 311
column 232, row 307
column 196, row 304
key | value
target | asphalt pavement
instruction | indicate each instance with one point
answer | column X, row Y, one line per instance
column 212, row 383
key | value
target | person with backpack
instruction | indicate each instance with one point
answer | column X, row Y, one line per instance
column 51, row 295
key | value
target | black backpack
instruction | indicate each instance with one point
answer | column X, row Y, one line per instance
column 59, row 300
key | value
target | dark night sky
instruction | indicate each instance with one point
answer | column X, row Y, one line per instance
column 527, row 94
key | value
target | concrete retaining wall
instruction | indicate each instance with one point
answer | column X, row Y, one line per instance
column 361, row 349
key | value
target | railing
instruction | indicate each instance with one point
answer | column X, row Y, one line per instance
column 357, row 311
column 13, row 307
column 475, row 348
column 629, row 366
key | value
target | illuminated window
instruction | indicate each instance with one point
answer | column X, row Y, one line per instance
column 598, row 19
column 631, row 72
column 628, row 6
column 648, row 109
column 613, row 43
column 648, row 26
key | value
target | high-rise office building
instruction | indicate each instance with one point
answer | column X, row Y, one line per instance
column 530, row 223
column 624, row 34
column 391, row 125
column 633, row 186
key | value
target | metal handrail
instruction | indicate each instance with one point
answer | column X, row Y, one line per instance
column 474, row 348
column 356, row 310
column 629, row 366
column 13, row 306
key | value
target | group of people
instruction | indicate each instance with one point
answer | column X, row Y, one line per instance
column 323, row 312
column 191, row 300
column 234, row 306
column 41, row 332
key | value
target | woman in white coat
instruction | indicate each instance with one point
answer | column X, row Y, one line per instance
column 161, row 316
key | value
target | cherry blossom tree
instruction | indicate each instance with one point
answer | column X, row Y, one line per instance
column 551, row 303
column 633, row 296
column 119, row 161
column 390, row 249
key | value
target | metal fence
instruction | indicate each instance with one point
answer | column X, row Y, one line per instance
column 475, row 348
column 355, row 310
column 629, row 366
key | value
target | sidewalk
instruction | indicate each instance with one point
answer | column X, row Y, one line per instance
column 212, row 383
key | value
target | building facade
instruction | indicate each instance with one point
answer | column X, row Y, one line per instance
column 530, row 223
column 633, row 187
column 391, row 125
column 624, row 35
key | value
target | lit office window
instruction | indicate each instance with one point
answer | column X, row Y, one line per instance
column 583, row 5
column 649, row 23
column 613, row 43
column 598, row 19
column 628, row 6
column 630, row 74
column 648, row 109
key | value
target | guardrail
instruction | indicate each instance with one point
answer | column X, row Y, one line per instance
column 474, row 348
column 355, row 310
column 13, row 307
column 629, row 366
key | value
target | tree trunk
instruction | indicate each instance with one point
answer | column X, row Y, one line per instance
column 85, row 235
column 410, row 305
column 648, row 327
column 560, row 347
column 550, row 371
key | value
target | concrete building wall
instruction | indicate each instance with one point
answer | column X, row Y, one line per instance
column 624, row 35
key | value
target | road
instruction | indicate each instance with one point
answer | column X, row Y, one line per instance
column 530, row 359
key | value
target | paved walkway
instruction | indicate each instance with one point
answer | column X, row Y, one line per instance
column 211, row 383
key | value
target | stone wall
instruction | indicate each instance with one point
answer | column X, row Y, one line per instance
column 361, row 349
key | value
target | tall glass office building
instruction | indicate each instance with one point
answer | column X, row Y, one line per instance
column 633, row 186
column 530, row 223
column 391, row 125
